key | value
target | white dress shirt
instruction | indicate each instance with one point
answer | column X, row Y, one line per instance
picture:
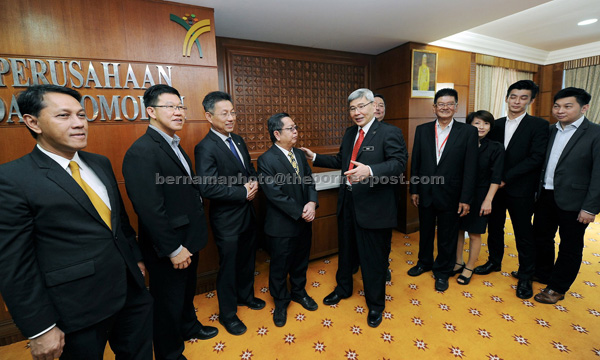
column 510, row 128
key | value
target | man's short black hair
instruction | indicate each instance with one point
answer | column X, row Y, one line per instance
column 31, row 100
column 583, row 97
column 445, row 92
column 524, row 85
column 153, row 92
column 379, row 96
column 275, row 124
column 483, row 115
column 214, row 97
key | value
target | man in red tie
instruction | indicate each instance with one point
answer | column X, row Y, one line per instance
column 372, row 157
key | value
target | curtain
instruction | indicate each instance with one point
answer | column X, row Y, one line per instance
column 491, row 84
column 587, row 78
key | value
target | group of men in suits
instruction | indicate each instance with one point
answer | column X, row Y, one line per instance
column 552, row 179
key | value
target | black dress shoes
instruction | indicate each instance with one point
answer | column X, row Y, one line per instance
column 254, row 304
column 333, row 299
column 205, row 333
column 374, row 318
column 524, row 289
column 441, row 284
column 487, row 268
column 417, row 270
column 388, row 276
column 307, row 302
column 280, row 316
column 234, row 326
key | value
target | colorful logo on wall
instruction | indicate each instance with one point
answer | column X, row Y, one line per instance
column 194, row 28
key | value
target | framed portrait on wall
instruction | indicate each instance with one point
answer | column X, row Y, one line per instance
column 424, row 73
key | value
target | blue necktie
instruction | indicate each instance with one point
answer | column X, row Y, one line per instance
column 234, row 151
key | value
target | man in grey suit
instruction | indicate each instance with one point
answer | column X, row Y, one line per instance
column 570, row 196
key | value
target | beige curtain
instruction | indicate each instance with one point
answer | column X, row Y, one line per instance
column 491, row 84
column 587, row 78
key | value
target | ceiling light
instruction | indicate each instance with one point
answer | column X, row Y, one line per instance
column 587, row 22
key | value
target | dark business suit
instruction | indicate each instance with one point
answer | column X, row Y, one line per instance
column 232, row 218
column 438, row 200
column 576, row 188
column 523, row 159
column 289, row 235
column 367, row 212
column 61, row 264
column 170, row 214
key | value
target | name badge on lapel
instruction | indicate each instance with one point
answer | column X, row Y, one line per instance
column 368, row 148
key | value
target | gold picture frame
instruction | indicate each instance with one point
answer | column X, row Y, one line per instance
column 423, row 74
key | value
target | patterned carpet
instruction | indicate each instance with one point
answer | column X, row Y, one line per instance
column 483, row 320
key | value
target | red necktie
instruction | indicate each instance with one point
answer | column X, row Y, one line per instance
column 361, row 137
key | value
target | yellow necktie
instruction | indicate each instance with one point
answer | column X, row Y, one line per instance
column 100, row 206
column 293, row 161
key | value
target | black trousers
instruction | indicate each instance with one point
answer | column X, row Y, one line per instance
column 128, row 332
column 447, row 239
column 289, row 256
column 373, row 249
column 520, row 210
column 173, row 291
column 235, row 281
column 561, row 274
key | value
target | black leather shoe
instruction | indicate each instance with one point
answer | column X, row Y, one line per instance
column 205, row 333
column 307, row 302
column 417, row 270
column 388, row 276
column 487, row 268
column 441, row 284
column 254, row 304
column 280, row 316
column 234, row 326
column 374, row 318
column 515, row 274
column 333, row 299
column 524, row 289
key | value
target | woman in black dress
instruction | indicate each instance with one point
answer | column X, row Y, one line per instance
column 489, row 172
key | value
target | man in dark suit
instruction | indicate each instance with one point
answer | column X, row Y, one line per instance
column 223, row 155
column 172, row 226
column 443, row 174
column 372, row 157
column 525, row 139
column 291, row 204
column 570, row 196
column 70, row 269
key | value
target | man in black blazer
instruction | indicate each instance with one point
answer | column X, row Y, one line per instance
column 570, row 196
column 443, row 173
column 291, row 204
column 525, row 139
column 70, row 269
column 172, row 227
column 372, row 157
column 223, row 155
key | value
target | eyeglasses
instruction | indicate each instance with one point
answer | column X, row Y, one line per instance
column 442, row 105
column 291, row 128
column 225, row 114
column 359, row 107
column 172, row 108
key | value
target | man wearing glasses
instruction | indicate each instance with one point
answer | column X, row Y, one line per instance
column 446, row 149
column 372, row 157
column 223, row 155
column 172, row 225
column 291, row 204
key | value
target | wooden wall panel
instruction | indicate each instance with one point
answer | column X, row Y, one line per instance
column 311, row 85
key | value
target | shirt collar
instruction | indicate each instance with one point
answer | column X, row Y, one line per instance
column 449, row 127
column 63, row 162
column 286, row 152
column 173, row 141
column 518, row 118
column 576, row 124
column 223, row 137
column 368, row 126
